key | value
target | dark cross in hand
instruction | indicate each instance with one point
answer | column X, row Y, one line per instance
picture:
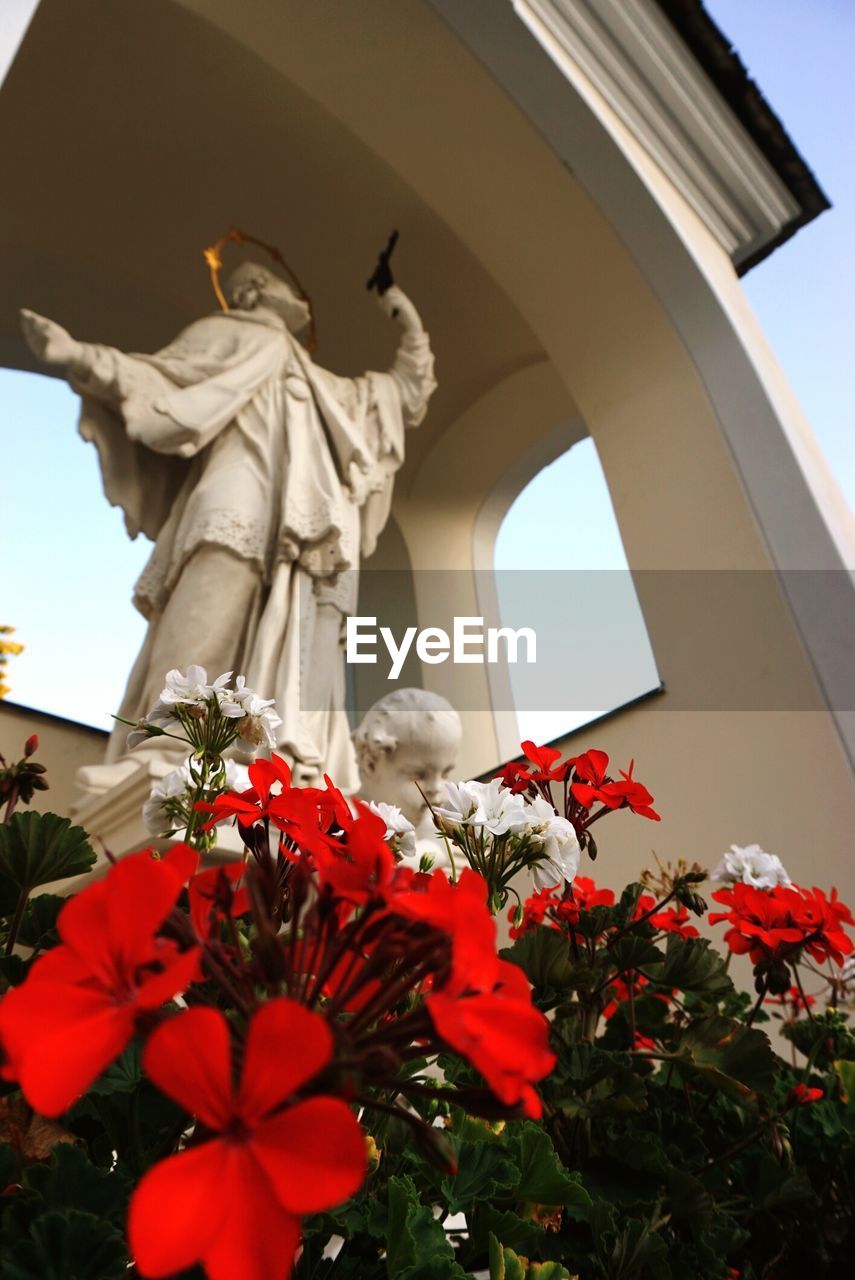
column 382, row 278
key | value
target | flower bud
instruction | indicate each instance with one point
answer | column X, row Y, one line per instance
column 31, row 746
column 372, row 1154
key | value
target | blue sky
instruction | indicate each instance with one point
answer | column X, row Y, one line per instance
column 68, row 567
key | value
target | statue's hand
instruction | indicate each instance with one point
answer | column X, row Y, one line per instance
column 397, row 305
column 48, row 340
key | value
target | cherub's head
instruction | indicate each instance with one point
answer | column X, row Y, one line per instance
column 410, row 736
column 251, row 285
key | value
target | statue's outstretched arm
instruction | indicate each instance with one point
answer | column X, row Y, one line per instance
column 49, row 342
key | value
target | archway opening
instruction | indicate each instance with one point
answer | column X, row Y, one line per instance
column 561, row 569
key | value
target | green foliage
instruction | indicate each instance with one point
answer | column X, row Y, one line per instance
column 505, row 1264
column 543, row 1180
column 823, row 1039
column 64, row 1221
column 544, row 956
column 736, row 1059
column 38, row 848
column 483, row 1171
column 38, row 923
column 67, row 1246
column 417, row 1247
column 691, row 964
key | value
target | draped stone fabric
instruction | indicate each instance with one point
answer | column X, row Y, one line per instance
column 233, row 438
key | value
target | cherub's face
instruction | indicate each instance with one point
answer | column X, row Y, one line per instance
column 429, row 763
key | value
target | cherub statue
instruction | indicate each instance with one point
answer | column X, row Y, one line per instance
column 407, row 747
column 263, row 479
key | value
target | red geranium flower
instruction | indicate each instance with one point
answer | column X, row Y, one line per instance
column 591, row 766
column 792, row 1002
column 459, row 909
column 543, row 758
column 668, row 920
column 363, row 865
column 78, row 1007
column 252, row 805
column 761, row 920
column 822, row 921
column 587, row 894
column 214, row 896
column 550, row 907
column 499, row 1031
column 628, row 794
column 535, row 909
column 515, row 776
column 801, row 1095
column 233, row 1203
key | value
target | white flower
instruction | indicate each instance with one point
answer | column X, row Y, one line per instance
column 490, row 805
column 237, row 776
column 160, row 717
column 461, row 803
column 400, row 832
column 751, row 865
column 559, row 860
column 257, row 716
column 160, row 817
column 499, row 810
column 193, row 688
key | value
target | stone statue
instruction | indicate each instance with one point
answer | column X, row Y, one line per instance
column 407, row 746
column 262, row 480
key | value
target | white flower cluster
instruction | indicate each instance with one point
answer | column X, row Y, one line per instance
column 491, row 807
column 168, row 805
column 751, row 865
column 400, row 832
column 255, row 719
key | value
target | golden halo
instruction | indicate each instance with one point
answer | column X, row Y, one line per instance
column 213, row 256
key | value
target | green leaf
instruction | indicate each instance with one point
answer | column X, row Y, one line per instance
column 67, row 1246
column 846, row 1075
column 691, row 964
column 38, row 924
column 543, row 1178
column 505, row 1264
column 122, row 1076
column 635, row 952
column 68, row 1181
column 483, row 1170
column 544, row 957
column 38, row 848
column 737, row 1060
column 414, row 1234
column 486, row 1220
column 628, row 903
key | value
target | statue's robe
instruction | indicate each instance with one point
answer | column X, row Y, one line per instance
column 233, row 437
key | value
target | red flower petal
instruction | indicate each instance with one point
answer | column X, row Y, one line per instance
column 175, row 1211
column 287, row 1044
column 60, row 1038
column 313, row 1154
column 141, row 893
column 155, row 989
column 257, row 1238
column 190, row 1059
